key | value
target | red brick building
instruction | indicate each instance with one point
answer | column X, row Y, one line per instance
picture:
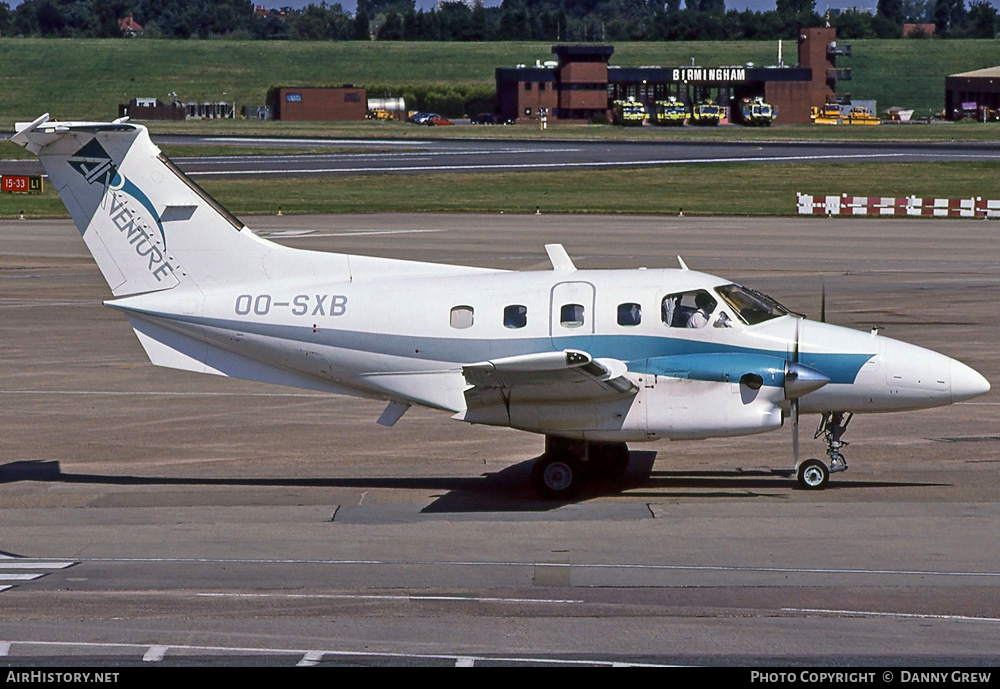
column 319, row 103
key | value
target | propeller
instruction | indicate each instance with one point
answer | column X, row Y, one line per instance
column 795, row 358
column 801, row 379
column 794, row 411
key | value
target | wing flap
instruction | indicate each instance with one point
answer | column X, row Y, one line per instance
column 569, row 374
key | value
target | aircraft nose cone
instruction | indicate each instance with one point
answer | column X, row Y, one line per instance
column 966, row 382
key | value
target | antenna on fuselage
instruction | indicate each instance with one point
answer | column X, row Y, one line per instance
column 559, row 258
column 684, row 266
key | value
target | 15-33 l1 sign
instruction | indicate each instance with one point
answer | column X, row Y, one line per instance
column 22, row 183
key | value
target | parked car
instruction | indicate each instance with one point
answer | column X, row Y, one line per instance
column 418, row 117
column 484, row 118
column 437, row 121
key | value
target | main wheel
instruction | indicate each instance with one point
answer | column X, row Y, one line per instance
column 813, row 474
column 556, row 476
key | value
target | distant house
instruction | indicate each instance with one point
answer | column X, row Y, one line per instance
column 265, row 12
column 918, row 31
column 130, row 27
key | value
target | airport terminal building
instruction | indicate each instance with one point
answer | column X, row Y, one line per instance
column 581, row 84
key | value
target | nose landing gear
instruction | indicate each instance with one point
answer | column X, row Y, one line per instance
column 812, row 474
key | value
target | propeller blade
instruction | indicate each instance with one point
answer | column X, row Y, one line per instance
column 795, row 430
column 794, row 411
column 822, row 305
column 795, row 349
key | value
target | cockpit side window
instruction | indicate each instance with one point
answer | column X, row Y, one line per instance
column 692, row 309
column 750, row 305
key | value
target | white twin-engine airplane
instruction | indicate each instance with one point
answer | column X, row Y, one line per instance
column 592, row 359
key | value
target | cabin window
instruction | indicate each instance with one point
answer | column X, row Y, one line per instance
column 515, row 316
column 629, row 313
column 462, row 317
column 571, row 315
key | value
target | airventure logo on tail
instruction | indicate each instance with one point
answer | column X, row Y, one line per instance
column 97, row 167
column 94, row 163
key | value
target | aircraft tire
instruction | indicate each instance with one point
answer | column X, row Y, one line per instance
column 813, row 474
column 557, row 476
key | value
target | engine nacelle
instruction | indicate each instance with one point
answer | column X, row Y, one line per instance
column 684, row 399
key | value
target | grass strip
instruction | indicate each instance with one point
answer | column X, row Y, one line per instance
column 702, row 189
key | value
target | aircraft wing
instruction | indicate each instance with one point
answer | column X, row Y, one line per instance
column 549, row 376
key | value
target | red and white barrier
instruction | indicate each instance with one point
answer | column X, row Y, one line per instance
column 889, row 205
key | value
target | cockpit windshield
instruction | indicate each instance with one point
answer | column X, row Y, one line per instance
column 751, row 306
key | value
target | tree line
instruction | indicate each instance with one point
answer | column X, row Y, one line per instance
column 540, row 20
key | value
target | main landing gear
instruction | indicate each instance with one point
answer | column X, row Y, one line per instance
column 566, row 464
column 813, row 474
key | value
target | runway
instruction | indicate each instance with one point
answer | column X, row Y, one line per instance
column 153, row 516
column 400, row 156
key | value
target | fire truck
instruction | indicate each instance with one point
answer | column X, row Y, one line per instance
column 756, row 113
column 629, row 113
column 706, row 114
column 669, row 113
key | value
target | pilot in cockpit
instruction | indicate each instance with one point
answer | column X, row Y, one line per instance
column 705, row 306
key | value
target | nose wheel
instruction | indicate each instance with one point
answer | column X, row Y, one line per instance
column 812, row 474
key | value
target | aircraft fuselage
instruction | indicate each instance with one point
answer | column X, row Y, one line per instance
column 406, row 338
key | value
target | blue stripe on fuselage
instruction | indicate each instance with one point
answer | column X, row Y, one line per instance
column 635, row 350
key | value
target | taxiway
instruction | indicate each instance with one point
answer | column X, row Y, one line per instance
column 149, row 515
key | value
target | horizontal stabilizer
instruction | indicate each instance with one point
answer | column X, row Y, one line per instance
column 171, row 349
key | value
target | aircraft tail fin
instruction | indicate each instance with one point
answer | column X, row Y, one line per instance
column 148, row 226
